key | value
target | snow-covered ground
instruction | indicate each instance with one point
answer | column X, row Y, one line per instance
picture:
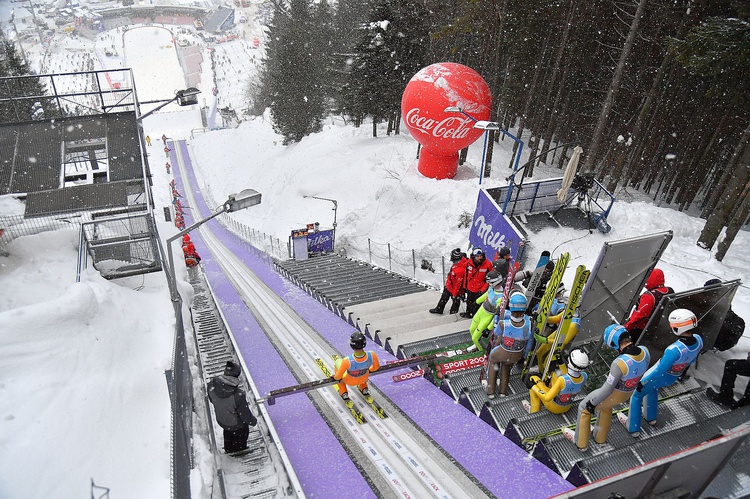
column 82, row 383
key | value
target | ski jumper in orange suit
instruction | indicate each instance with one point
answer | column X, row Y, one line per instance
column 355, row 369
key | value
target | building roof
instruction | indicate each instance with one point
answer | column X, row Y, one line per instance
column 34, row 158
column 217, row 22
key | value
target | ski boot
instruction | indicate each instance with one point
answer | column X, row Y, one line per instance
column 436, row 311
column 365, row 392
column 719, row 398
column 345, row 396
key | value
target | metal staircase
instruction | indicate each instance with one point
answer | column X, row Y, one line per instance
column 340, row 282
column 259, row 473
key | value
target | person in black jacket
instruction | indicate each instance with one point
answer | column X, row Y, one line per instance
column 732, row 328
column 725, row 395
column 231, row 409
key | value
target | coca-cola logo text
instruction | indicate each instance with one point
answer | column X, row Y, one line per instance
column 451, row 127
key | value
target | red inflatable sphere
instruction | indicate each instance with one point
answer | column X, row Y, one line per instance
column 442, row 134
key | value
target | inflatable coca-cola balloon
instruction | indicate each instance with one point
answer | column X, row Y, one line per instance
column 442, row 134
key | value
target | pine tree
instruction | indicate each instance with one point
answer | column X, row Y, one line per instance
column 25, row 92
column 392, row 47
column 719, row 52
column 293, row 78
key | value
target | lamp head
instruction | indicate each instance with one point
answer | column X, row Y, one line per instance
column 244, row 199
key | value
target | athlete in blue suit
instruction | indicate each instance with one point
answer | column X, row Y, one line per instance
column 676, row 360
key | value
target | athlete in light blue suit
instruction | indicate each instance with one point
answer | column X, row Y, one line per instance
column 676, row 360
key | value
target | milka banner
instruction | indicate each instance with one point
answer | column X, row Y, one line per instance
column 320, row 242
column 491, row 230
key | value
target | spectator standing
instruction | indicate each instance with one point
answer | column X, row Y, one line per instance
column 148, row 141
column 454, row 284
column 476, row 280
column 192, row 258
column 231, row 409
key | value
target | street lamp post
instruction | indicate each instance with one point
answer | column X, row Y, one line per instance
column 487, row 126
column 335, row 208
column 235, row 202
column 186, row 97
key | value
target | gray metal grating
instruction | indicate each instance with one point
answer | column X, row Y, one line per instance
column 253, row 474
column 643, row 451
column 346, row 282
column 693, row 410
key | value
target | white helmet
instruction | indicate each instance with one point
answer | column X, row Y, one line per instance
column 682, row 320
column 578, row 360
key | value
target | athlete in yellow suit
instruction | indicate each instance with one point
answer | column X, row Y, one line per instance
column 356, row 368
column 564, row 385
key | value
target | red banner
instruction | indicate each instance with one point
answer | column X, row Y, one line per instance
column 410, row 375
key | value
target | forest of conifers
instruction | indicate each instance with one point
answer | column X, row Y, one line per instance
column 655, row 91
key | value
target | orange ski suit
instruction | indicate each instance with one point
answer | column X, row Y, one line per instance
column 355, row 369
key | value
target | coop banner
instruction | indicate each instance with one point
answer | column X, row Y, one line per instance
column 490, row 229
column 320, row 242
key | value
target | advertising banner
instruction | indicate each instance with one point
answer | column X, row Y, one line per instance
column 320, row 242
column 491, row 229
column 439, row 106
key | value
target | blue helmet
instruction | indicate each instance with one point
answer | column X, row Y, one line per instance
column 613, row 334
column 517, row 302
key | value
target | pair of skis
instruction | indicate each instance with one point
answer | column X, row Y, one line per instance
column 536, row 276
column 576, row 291
column 320, row 383
column 545, row 305
column 358, row 416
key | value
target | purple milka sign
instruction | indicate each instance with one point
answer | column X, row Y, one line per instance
column 490, row 229
column 320, row 242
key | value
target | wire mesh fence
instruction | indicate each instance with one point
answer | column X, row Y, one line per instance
column 15, row 226
column 426, row 268
column 120, row 246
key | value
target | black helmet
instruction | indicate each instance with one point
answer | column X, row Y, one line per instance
column 456, row 255
column 357, row 341
column 504, row 251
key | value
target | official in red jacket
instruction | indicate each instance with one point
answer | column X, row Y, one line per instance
column 454, row 283
column 655, row 289
column 476, row 280
column 192, row 258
